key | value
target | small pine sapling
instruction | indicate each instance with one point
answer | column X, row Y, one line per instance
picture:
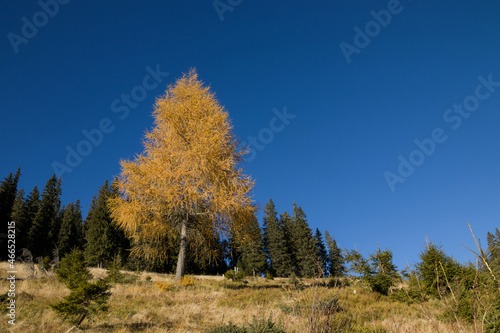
column 86, row 298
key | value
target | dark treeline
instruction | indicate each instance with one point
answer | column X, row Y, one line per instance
column 48, row 229
column 285, row 245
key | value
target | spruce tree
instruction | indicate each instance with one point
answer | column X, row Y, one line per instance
column 359, row 266
column 85, row 225
column 86, row 298
column 494, row 251
column 276, row 246
column 8, row 190
column 430, row 271
column 385, row 272
column 287, row 224
column 378, row 272
column 70, row 236
column 32, row 207
column 42, row 232
column 336, row 260
column 250, row 250
column 19, row 215
column 55, row 229
column 103, row 238
column 321, row 253
column 304, row 243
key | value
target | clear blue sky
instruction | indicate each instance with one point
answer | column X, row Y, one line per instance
column 360, row 101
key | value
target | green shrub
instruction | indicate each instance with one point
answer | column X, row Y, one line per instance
column 436, row 265
column 380, row 283
column 465, row 307
column 292, row 279
column 44, row 264
column 114, row 274
column 236, row 277
column 229, row 275
column 240, row 276
column 493, row 317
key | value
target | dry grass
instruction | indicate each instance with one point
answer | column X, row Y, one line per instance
column 204, row 301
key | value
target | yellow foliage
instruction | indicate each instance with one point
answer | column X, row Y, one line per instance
column 187, row 175
column 187, row 281
column 164, row 286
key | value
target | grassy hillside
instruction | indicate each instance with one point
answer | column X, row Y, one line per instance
column 150, row 302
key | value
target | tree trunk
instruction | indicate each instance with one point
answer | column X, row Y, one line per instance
column 181, row 261
column 81, row 319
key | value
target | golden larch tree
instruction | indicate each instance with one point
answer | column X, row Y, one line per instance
column 187, row 182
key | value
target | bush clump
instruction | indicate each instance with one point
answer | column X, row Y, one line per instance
column 187, row 281
column 236, row 277
column 164, row 286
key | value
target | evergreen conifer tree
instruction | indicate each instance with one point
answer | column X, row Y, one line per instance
column 494, row 251
column 46, row 220
column 70, row 236
column 276, row 246
column 335, row 258
column 304, row 244
column 32, row 207
column 19, row 215
column 358, row 265
column 92, row 209
column 321, row 253
column 385, row 272
column 378, row 272
column 287, row 223
column 103, row 238
column 8, row 190
column 430, row 271
column 250, row 250
column 86, row 298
